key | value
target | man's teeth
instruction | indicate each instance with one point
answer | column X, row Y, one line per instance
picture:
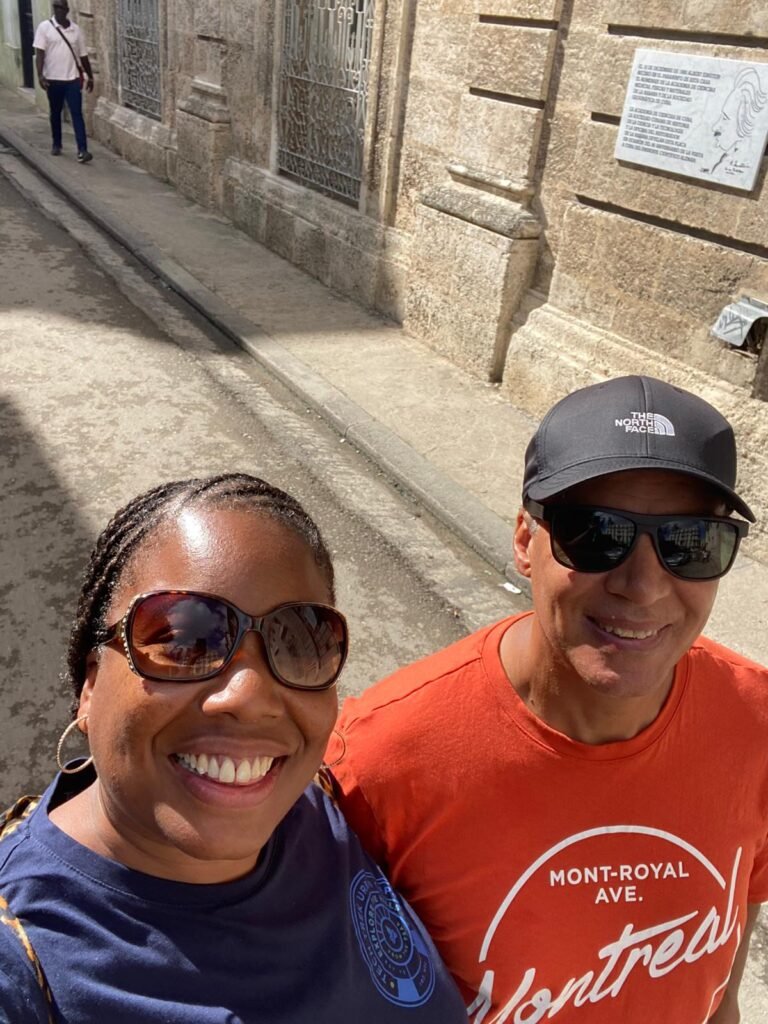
column 628, row 634
column 226, row 769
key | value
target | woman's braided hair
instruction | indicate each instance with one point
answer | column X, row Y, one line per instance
column 135, row 521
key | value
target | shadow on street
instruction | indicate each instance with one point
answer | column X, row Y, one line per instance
column 43, row 548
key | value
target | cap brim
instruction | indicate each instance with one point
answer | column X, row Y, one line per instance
column 542, row 490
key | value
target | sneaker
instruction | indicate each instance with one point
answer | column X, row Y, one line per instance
column 55, row 150
column 84, row 156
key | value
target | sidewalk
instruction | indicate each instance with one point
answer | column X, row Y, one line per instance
column 450, row 440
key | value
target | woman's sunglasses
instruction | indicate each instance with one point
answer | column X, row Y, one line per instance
column 182, row 636
column 590, row 539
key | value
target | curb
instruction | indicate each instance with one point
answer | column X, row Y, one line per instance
column 465, row 515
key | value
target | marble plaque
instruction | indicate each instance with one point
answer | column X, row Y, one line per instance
column 704, row 117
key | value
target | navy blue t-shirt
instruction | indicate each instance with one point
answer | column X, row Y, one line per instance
column 313, row 935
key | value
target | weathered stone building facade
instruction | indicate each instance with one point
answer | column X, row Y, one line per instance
column 451, row 164
column 18, row 19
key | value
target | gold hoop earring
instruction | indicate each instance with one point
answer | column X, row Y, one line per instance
column 332, row 764
column 62, row 740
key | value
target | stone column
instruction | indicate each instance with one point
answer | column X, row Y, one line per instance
column 475, row 240
column 10, row 44
column 472, row 259
column 203, row 122
column 83, row 14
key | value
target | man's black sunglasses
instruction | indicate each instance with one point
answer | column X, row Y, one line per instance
column 592, row 539
column 184, row 636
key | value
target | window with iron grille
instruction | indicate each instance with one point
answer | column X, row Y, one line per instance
column 324, row 67
column 138, row 46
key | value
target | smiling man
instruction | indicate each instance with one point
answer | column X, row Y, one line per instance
column 575, row 800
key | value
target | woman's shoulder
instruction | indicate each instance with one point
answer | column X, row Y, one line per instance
column 318, row 810
column 16, row 820
column 28, row 861
column 13, row 829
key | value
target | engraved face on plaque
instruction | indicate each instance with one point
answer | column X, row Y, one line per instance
column 702, row 117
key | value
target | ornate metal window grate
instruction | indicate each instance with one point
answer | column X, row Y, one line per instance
column 138, row 41
column 326, row 56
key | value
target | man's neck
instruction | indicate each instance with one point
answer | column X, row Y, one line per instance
column 64, row 23
column 552, row 691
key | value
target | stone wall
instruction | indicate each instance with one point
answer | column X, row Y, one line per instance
column 11, row 71
column 451, row 147
column 638, row 263
column 493, row 220
column 10, row 44
column 476, row 108
column 146, row 141
column 647, row 256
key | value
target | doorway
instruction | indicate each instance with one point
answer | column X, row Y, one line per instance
column 27, row 33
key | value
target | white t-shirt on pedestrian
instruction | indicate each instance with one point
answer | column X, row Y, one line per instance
column 59, row 64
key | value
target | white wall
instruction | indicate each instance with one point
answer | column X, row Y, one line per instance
column 9, row 18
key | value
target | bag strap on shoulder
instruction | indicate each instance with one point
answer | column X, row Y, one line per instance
column 325, row 780
column 9, row 822
column 9, row 920
column 11, row 818
column 77, row 61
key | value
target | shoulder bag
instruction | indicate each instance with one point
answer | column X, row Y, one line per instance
column 9, row 822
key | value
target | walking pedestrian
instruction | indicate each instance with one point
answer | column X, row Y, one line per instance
column 575, row 799
column 62, row 66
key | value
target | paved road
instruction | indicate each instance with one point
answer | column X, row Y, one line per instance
column 95, row 405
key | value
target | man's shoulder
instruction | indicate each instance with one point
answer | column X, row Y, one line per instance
column 717, row 669
column 50, row 27
column 707, row 653
column 44, row 29
column 428, row 679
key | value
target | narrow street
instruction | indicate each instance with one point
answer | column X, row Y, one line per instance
column 98, row 405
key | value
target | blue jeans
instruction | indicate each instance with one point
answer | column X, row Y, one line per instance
column 71, row 92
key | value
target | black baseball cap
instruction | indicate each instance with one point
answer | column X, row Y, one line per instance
column 631, row 423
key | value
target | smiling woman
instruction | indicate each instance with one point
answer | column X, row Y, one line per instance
column 193, row 871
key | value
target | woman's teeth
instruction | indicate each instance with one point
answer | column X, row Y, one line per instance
column 230, row 771
column 628, row 634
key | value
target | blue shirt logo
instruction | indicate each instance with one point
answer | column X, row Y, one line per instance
column 397, row 956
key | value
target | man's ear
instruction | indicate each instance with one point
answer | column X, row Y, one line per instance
column 521, row 543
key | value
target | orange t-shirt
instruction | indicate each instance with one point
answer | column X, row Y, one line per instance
column 563, row 881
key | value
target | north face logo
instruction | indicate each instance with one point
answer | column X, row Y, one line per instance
column 646, row 423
